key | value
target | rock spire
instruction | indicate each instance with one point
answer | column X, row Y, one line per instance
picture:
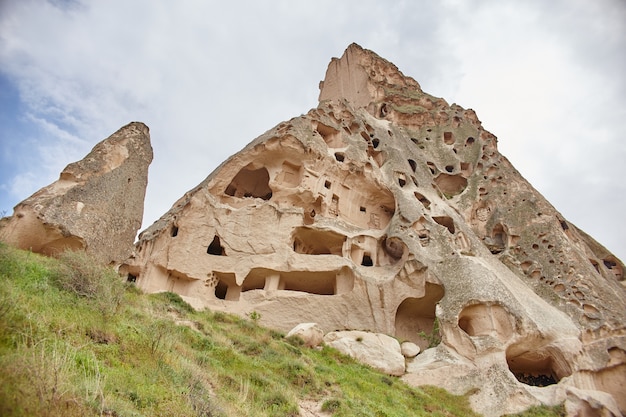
column 95, row 205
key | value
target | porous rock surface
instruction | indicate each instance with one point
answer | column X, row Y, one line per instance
column 387, row 210
column 96, row 205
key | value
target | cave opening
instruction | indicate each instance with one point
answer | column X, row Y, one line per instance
column 216, row 248
column 250, row 182
column 367, row 260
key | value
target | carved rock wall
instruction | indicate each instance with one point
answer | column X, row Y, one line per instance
column 387, row 210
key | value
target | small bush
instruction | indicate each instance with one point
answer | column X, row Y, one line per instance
column 83, row 275
column 331, row 405
column 254, row 316
column 295, row 340
column 434, row 338
column 177, row 302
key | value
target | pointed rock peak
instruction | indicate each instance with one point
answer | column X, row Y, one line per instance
column 96, row 205
column 366, row 80
column 111, row 153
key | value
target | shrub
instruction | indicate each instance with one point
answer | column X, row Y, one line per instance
column 83, row 275
column 434, row 338
column 174, row 302
column 331, row 405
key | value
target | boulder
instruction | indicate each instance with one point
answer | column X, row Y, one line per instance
column 96, row 205
column 409, row 349
column 374, row 349
column 310, row 333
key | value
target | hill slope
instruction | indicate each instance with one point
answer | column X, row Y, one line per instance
column 74, row 341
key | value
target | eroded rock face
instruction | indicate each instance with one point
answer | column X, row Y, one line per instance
column 387, row 210
column 95, row 205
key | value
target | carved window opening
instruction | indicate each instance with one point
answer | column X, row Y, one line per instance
column 469, row 141
column 401, row 179
column 615, row 267
column 250, row 183
column 486, row 319
column 131, row 278
column 174, row 231
column 375, row 143
column 313, row 282
column 449, row 168
column 383, row 110
column 331, row 136
column 220, row 290
column 425, row 202
column 499, row 239
column 451, row 185
column 327, row 184
column 317, row 242
column 367, row 260
column 412, row 164
column 216, row 248
column 448, row 139
column 226, row 287
column 532, row 367
column 362, row 209
column 446, row 222
column 339, row 156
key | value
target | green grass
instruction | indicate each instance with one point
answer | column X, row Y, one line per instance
column 75, row 341
column 543, row 411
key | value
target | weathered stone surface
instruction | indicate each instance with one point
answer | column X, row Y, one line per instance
column 377, row 350
column 310, row 333
column 409, row 349
column 390, row 211
column 95, row 205
column 587, row 403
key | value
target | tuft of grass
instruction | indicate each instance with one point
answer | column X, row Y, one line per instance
column 63, row 353
column 542, row 411
column 173, row 302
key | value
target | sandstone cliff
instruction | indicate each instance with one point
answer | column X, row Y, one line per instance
column 95, row 205
column 388, row 210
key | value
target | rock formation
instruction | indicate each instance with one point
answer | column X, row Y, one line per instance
column 95, row 205
column 387, row 210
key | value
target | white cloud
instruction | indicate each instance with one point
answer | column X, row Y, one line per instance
column 208, row 77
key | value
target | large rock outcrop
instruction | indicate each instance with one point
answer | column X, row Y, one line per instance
column 388, row 210
column 96, row 205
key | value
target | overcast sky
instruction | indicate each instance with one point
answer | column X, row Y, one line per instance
column 207, row 77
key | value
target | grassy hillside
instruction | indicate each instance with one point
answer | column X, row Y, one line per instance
column 76, row 341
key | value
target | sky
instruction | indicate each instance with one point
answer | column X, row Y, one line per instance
column 207, row 77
